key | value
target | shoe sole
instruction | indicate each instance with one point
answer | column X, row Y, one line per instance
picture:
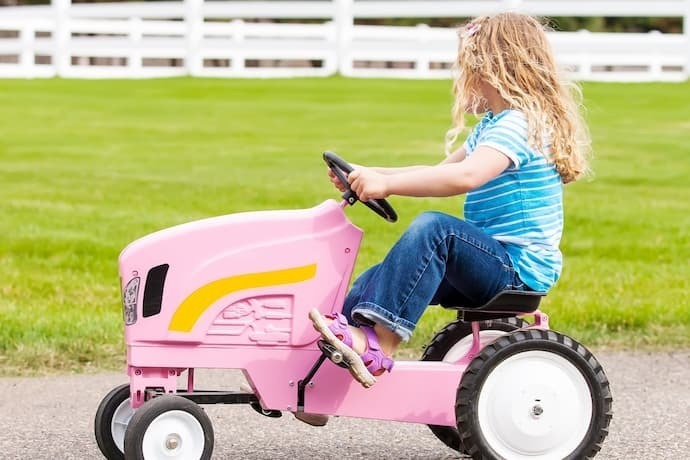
column 311, row 419
column 356, row 366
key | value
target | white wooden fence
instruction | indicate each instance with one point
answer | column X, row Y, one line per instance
column 232, row 38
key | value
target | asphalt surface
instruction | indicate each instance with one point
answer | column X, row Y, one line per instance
column 52, row 418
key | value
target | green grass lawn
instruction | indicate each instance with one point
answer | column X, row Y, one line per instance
column 87, row 166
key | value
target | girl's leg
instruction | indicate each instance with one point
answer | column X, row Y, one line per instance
column 439, row 259
column 356, row 290
column 446, row 294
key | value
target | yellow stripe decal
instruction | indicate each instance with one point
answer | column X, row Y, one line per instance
column 191, row 309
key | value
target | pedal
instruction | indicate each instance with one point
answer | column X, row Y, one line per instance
column 333, row 354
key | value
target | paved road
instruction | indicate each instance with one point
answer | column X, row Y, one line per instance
column 51, row 418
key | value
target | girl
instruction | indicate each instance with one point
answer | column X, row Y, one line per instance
column 530, row 142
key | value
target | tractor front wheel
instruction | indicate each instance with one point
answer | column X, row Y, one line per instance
column 169, row 427
column 112, row 417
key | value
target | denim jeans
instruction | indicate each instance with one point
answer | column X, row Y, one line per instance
column 439, row 259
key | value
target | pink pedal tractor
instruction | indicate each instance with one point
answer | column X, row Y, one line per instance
column 235, row 292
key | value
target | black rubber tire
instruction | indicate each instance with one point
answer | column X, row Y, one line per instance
column 441, row 344
column 150, row 410
column 103, row 420
column 485, row 362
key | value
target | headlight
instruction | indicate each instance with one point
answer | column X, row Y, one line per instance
column 129, row 301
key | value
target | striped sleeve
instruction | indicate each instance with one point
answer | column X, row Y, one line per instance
column 471, row 142
column 509, row 136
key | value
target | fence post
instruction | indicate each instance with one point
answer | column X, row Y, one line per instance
column 27, row 56
column 194, row 21
column 62, row 60
column 238, row 56
column 422, row 64
column 344, row 25
column 686, row 33
column 134, row 60
column 584, row 62
column 655, row 67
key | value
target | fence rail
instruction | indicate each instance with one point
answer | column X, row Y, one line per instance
column 235, row 39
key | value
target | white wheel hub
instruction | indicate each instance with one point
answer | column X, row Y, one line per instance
column 118, row 424
column 174, row 434
column 462, row 346
column 535, row 405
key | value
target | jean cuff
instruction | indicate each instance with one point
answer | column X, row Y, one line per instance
column 371, row 312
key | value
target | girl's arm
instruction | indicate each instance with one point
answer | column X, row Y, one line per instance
column 445, row 179
column 456, row 156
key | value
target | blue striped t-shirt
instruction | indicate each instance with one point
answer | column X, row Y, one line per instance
column 522, row 207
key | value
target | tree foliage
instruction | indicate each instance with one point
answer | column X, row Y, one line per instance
column 561, row 23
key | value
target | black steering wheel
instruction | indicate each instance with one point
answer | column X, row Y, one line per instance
column 341, row 169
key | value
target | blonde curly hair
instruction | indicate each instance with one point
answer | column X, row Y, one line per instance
column 511, row 53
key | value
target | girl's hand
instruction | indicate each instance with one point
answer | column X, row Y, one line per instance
column 335, row 181
column 368, row 184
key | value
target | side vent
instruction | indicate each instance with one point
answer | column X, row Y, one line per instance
column 153, row 292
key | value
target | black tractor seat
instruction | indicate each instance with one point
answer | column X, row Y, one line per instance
column 502, row 305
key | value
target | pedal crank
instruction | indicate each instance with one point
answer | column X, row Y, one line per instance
column 330, row 352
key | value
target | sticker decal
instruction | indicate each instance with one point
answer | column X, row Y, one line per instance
column 129, row 301
column 196, row 304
